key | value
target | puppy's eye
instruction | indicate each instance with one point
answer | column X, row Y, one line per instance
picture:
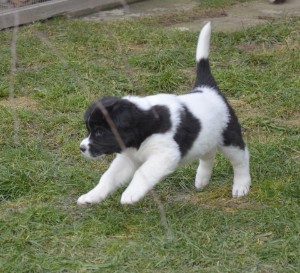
column 99, row 133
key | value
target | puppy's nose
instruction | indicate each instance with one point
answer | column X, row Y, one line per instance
column 82, row 148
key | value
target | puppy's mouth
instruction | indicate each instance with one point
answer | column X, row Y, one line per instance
column 87, row 154
column 86, row 151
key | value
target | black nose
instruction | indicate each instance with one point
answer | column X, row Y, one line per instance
column 83, row 148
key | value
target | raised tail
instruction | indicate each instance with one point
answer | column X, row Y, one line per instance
column 204, row 76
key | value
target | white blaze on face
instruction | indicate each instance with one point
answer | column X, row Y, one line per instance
column 84, row 146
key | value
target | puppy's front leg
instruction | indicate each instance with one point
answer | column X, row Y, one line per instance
column 120, row 172
column 147, row 176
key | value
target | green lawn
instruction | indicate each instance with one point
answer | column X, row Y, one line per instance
column 62, row 65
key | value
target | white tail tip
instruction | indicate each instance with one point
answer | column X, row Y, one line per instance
column 202, row 51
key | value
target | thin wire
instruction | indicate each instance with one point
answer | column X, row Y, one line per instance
column 12, row 79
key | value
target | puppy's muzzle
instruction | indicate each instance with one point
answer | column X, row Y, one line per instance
column 84, row 146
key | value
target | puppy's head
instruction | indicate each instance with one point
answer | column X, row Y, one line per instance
column 131, row 122
column 100, row 140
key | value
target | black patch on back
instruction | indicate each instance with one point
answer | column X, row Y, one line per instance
column 140, row 124
column 187, row 131
column 232, row 135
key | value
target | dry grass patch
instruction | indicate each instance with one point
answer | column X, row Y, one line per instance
column 294, row 121
column 169, row 19
column 20, row 103
column 246, row 110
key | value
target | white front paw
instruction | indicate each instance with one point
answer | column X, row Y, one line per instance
column 240, row 190
column 130, row 197
column 89, row 199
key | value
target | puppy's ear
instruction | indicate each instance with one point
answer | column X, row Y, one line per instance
column 94, row 113
column 109, row 102
column 125, row 114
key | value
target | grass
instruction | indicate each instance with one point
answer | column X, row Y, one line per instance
column 43, row 230
column 219, row 3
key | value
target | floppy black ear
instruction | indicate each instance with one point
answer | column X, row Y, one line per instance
column 125, row 114
column 109, row 101
column 94, row 112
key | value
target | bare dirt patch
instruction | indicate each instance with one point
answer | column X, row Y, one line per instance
column 293, row 121
column 20, row 103
column 169, row 19
column 245, row 109
column 290, row 43
column 213, row 200
column 249, row 47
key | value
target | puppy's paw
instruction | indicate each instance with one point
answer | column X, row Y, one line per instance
column 130, row 198
column 201, row 182
column 88, row 199
column 240, row 190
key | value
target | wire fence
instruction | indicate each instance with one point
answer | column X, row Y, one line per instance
column 26, row 10
column 34, row 10
column 11, row 4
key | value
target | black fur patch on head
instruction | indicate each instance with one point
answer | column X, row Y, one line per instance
column 134, row 125
column 102, row 140
column 232, row 135
column 187, row 131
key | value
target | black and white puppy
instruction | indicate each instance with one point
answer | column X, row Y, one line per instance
column 162, row 131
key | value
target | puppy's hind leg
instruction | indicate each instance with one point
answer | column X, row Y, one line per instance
column 204, row 170
column 239, row 159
